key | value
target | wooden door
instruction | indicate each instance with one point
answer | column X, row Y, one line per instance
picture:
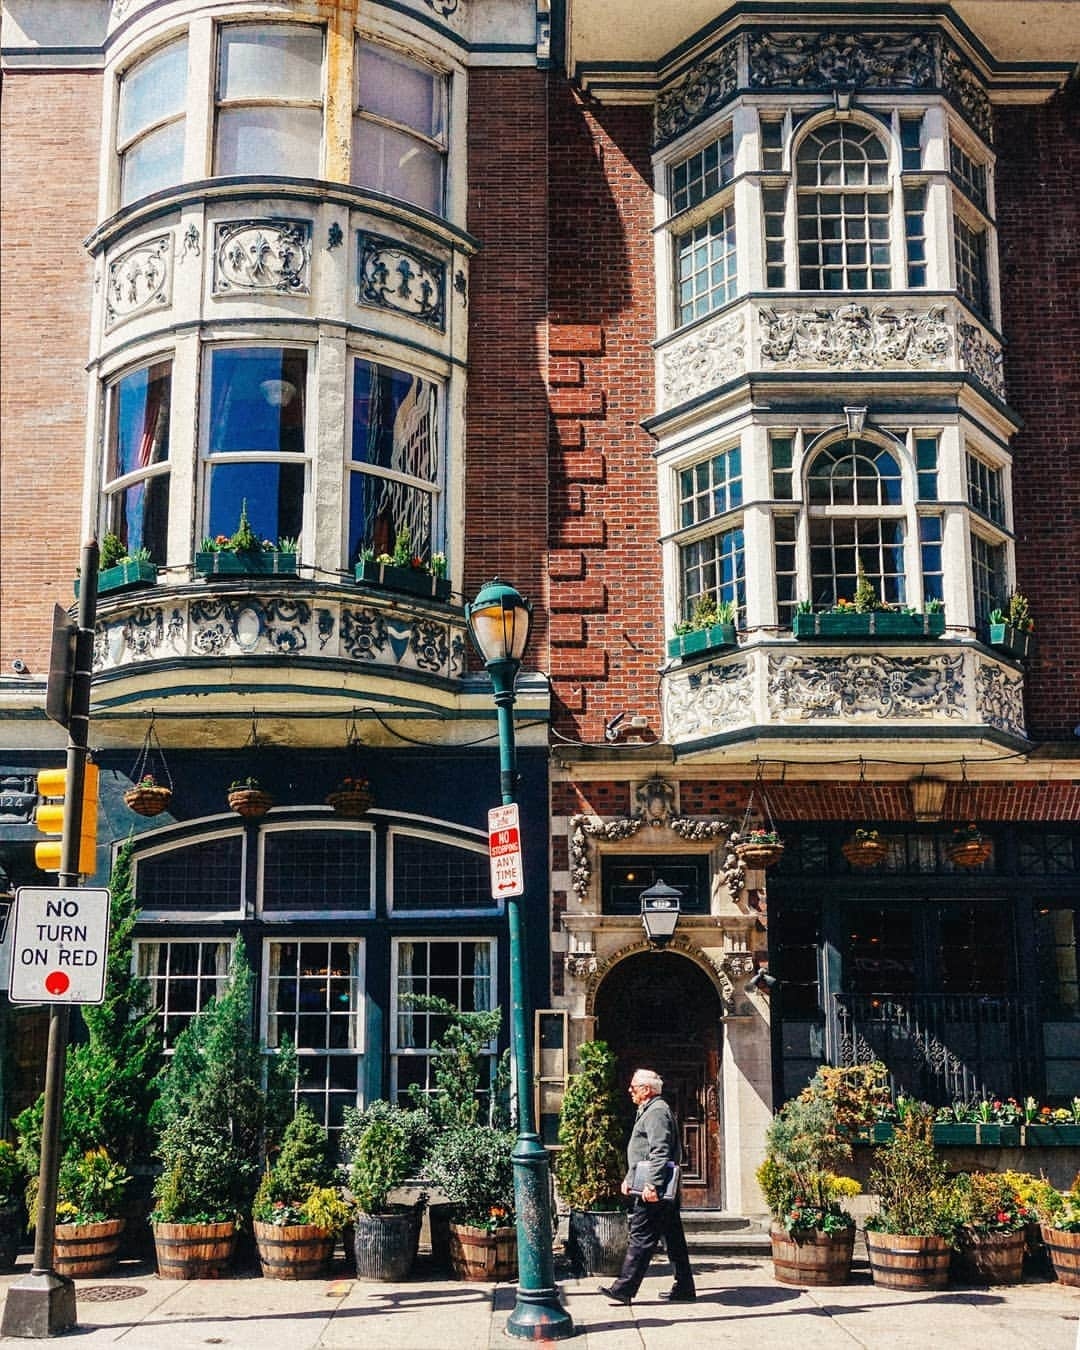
column 659, row 1011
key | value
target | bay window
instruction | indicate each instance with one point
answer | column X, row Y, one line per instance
column 704, row 245
column 842, row 175
column 255, row 446
column 711, row 563
column 136, row 490
column 856, row 516
column 150, row 122
column 399, row 127
column 269, row 100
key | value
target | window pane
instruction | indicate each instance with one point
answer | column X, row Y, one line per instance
column 399, row 90
column 154, row 162
column 141, row 419
column 139, row 516
column 271, row 61
column 397, row 164
column 200, row 876
column 317, row 870
column 273, row 491
column 257, row 400
column 270, row 141
column 152, row 90
column 431, row 875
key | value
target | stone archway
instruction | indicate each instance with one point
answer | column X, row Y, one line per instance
column 660, row 1010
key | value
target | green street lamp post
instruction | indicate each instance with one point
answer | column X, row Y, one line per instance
column 499, row 621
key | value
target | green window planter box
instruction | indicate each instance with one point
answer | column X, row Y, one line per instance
column 955, row 1134
column 410, row 580
column 701, row 640
column 882, row 1132
column 1052, row 1135
column 271, row 563
column 125, row 576
column 878, row 623
column 1012, row 640
column 1003, row 1136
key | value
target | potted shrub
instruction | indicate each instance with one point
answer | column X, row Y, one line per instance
column 865, row 848
column 89, row 1200
column 992, row 1233
column 472, row 1165
column 1012, row 628
column 297, row 1212
column 812, row 1236
column 404, row 570
column 119, row 570
column 148, row 797
column 1059, row 1213
column 419, row 1129
column 245, row 554
column 969, row 846
column 759, row 848
column 591, row 1163
column 866, row 617
column 247, row 798
column 386, row 1234
column 909, row 1239
column 213, row 1115
column 711, row 625
column 351, row 798
column 11, row 1185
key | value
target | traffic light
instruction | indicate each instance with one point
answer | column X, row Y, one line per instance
column 49, row 819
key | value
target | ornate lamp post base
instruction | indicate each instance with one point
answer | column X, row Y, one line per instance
column 538, row 1313
column 40, row 1305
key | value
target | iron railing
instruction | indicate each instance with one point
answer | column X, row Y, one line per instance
column 943, row 1047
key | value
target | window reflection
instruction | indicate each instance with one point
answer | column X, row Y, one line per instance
column 137, row 490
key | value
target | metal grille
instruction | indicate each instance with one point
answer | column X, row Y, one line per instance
column 431, row 875
column 317, row 869
column 205, row 875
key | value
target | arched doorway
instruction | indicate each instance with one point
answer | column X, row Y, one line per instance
column 660, row 1011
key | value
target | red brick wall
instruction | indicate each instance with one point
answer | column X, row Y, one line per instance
column 506, row 499
column 605, row 562
column 49, row 128
column 1039, row 237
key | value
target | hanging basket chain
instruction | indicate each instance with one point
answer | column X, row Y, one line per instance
column 151, row 746
column 352, row 799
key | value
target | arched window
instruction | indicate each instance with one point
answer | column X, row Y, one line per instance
column 856, row 515
column 843, row 201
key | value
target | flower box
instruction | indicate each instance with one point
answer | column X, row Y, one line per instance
column 125, row 576
column 955, row 1134
column 1012, row 640
column 272, row 562
column 877, row 623
column 701, row 640
column 411, row 580
column 1054, row 1136
column 1001, row 1136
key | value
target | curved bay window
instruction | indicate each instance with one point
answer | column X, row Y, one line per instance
column 269, row 99
column 842, row 172
column 395, row 469
column 150, row 122
column 136, row 492
column 856, row 516
column 255, row 441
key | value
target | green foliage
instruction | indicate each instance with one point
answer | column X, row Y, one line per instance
column 245, row 540
column 380, row 1163
column 402, row 554
column 472, row 1164
column 111, row 1081
column 12, row 1177
column 706, row 612
column 213, row 1113
column 591, row 1163
column 865, row 596
column 989, row 1202
column 461, row 1051
column 910, row 1182
column 304, row 1161
column 90, row 1189
column 113, row 551
column 418, row 1127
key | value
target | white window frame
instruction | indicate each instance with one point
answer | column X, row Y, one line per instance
column 174, row 845
column 160, row 1011
column 397, row 1051
column 111, row 487
column 681, row 222
column 121, row 148
column 319, row 825
column 453, row 841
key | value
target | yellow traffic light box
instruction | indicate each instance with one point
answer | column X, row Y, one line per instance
column 49, row 820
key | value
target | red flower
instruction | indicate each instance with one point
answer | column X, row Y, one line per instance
column 1002, row 1217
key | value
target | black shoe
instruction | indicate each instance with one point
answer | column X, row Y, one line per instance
column 614, row 1295
column 677, row 1295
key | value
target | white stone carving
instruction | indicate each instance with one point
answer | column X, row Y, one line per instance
column 711, row 356
column 854, row 337
column 270, row 256
column 140, row 278
column 706, row 700
column 865, row 686
column 982, row 358
column 999, row 698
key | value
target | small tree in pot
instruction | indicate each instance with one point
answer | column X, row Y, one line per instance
column 909, row 1239
column 386, row 1234
column 297, row 1212
column 591, row 1163
column 472, row 1165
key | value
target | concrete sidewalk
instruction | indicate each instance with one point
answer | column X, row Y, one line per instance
column 739, row 1304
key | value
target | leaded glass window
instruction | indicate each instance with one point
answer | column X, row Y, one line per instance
column 705, row 259
column 316, row 870
column 202, row 876
column 703, row 173
column 431, row 874
column 843, row 207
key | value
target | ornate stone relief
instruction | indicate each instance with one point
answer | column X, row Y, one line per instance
column 271, row 256
column 583, row 828
column 443, row 7
column 982, row 359
column 855, row 337
column 677, row 944
column 402, row 278
column 654, row 801
column 708, row 699
column 696, row 828
column 191, row 242
column 865, row 685
column 965, row 89
column 139, row 279
column 733, row 968
column 697, row 94
column 827, row 60
column 999, row 698
column 581, row 964
column 710, row 357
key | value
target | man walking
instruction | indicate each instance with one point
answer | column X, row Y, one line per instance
column 654, row 1142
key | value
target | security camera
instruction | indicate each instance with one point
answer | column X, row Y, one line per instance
column 19, row 667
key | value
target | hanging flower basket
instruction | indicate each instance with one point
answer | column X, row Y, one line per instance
column 760, row 848
column 249, row 800
column 865, row 849
column 148, row 798
column 152, row 786
column 969, row 848
column 351, row 798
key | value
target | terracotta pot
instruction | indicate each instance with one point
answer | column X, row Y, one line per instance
column 991, row 1258
column 81, row 1249
column 352, row 803
column 865, row 852
column 813, row 1258
column 148, row 801
column 298, row 1251
column 903, row 1261
column 250, row 802
column 476, row 1254
column 194, row 1251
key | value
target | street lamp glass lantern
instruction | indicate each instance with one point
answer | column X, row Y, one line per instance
column 499, row 621
column 660, row 912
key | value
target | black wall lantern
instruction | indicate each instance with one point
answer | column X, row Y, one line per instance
column 660, row 912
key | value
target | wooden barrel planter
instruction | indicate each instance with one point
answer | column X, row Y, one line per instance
column 813, row 1258
column 598, row 1240
column 476, row 1254
column 385, row 1244
column 991, row 1258
column 194, row 1251
column 11, row 1231
column 900, row 1261
column 298, row 1251
column 1064, row 1250
column 81, row 1249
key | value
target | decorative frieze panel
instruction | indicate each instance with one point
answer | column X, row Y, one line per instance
column 999, row 698
column 964, row 88
column 270, row 256
column 711, row 356
column 140, row 279
column 399, row 277
column 691, row 99
column 249, row 625
column 695, row 829
column 866, row 686
column 707, row 700
column 826, row 60
column 856, row 337
column 982, row 358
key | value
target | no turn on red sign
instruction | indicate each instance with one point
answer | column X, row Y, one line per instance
column 504, row 849
column 58, row 945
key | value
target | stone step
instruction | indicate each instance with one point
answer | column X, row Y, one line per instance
column 723, row 1221
column 748, row 1243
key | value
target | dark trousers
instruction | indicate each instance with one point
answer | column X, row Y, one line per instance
column 648, row 1224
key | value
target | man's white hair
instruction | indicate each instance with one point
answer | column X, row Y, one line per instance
column 650, row 1079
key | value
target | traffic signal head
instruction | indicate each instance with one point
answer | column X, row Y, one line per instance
column 49, row 820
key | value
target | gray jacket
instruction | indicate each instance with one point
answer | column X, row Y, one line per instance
column 655, row 1138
